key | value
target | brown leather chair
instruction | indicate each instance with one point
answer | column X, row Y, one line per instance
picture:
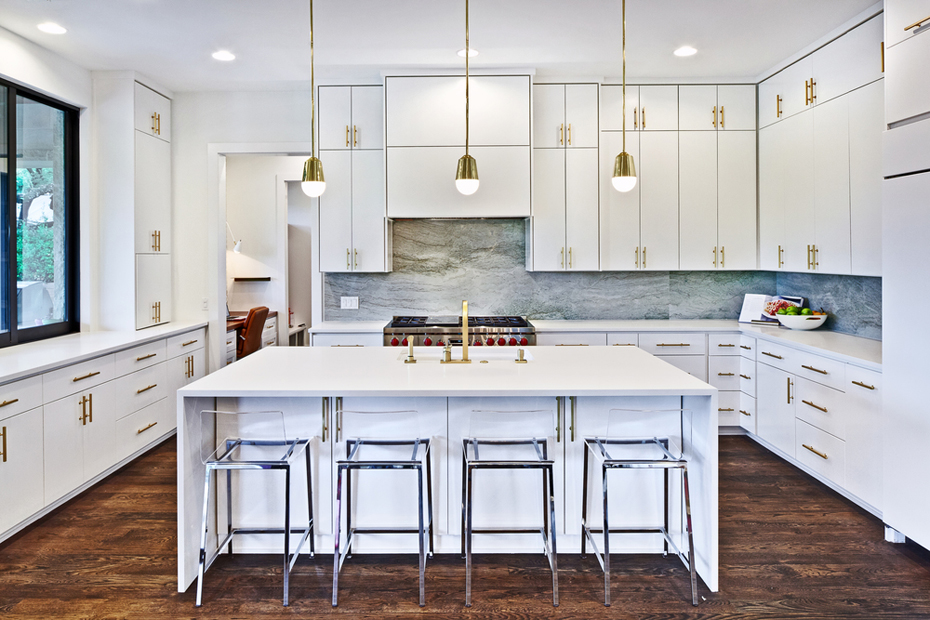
column 250, row 336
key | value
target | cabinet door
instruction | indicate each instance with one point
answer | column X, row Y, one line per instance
column 736, row 199
column 798, row 180
column 549, row 251
column 499, row 110
column 697, row 160
column 697, row 108
column 21, row 478
column 335, row 110
column 831, row 186
column 548, row 116
column 864, row 430
column 368, row 211
column 736, row 107
column 612, row 107
column 853, row 60
column 581, row 124
column 866, row 106
column 619, row 210
column 152, row 194
column 104, row 406
column 63, row 443
column 425, row 111
column 905, row 78
column 367, row 117
column 659, row 210
column 336, row 213
column 775, row 407
column 658, row 108
column 153, row 289
column 772, row 164
column 899, row 14
column 152, row 112
column 581, row 209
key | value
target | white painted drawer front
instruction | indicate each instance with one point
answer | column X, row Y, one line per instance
column 136, row 431
column 71, row 380
column 231, row 341
column 864, row 435
column 694, row 365
column 141, row 389
column 820, row 369
column 747, row 347
column 723, row 344
column 747, row 376
column 20, row 396
column 622, row 339
column 723, row 372
column 191, row 341
column 138, row 358
column 831, row 460
column 673, row 344
column 821, row 406
column 776, row 355
column 567, row 339
column 747, row 412
column 728, row 409
column 348, row 340
column 864, row 384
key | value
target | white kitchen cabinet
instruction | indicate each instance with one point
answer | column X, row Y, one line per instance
column 786, row 93
column 799, row 200
column 866, row 106
column 620, row 212
column 831, row 251
column 658, row 176
column 375, row 339
column 153, row 289
column 773, row 167
column 736, row 200
column 747, row 413
column 736, row 107
column 152, row 193
column 864, row 434
column 548, row 251
column 849, row 62
column 351, row 117
column 698, row 160
column 571, row 339
column 697, row 108
column 907, row 89
column 899, row 15
column 658, row 109
column 151, row 112
column 821, row 452
column 775, row 419
column 21, row 465
column 565, row 116
column 612, row 107
column 185, row 369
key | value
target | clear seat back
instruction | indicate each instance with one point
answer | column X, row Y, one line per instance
column 629, row 433
column 516, row 425
column 220, row 432
column 374, row 426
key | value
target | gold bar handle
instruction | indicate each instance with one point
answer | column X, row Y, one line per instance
column 569, row 249
column 635, row 124
column 777, row 106
column 742, row 346
column 154, row 127
column 809, row 261
column 145, row 357
column 644, row 247
column 713, row 116
column 790, row 383
column 338, row 418
column 722, row 122
column 679, row 344
column 573, row 400
column 146, row 389
column 813, row 91
column 723, row 257
column 726, row 374
column 816, row 261
column 563, row 258
column 90, row 408
column 636, row 259
column 859, row 383
column 562, row 134
column 807, row 90
column 781, row 252
column 778, row 357
column 189, row 342
column 917, row 24
column 3, row 443
column 725, row 409
column 87, row 376
column 726, row 345
column 569, row 134
column 746, row 377
column 354, row 135
column 559, row 406
column 644, row 118
column 142, row 430
column 348, row 257
column 715, row 257
column 817, row 452
column 817, row 407
column 823, row 372
column 16, row 400
column 745, row 413
column 355, row 265
column 325, row 426
column 347, row 136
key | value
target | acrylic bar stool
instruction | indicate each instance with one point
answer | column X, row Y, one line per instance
column 395, row 454
column 274, row 452
column 491, row 452
column 649, row 453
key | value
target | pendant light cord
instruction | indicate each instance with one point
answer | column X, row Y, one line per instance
column 312, row 93
column 623, row 13
column 467, row 54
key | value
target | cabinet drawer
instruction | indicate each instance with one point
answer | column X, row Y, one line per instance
column 864, row 385
column 821, row 406
column 231, row 341
column 673, row 344
column 820, row 369
column 20, row 396
column 829, row 460
column 747, row 376
column 270, row 342
column 747, row 347
column 191, row 341
column 723, row 344
column 138, row 358
column 694, row 365
column 71, row 380
column 136, row 431
column 728, row 409
column 568, row 339
column 723, row 372
column 776, row 355
column 141, row 389
column 622, row 339
column 907, row 91
column 747, row 412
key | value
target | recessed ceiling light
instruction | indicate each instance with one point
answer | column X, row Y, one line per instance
column 51, row 28
column 224, row 55
column 472, row 52
column 687, row 50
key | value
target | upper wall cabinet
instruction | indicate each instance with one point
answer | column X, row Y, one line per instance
column 905, row 19
column 565, row 116
column 907, row 31
column 723, row 108
column 648, row 108
column 152, row 113
column 351, row 117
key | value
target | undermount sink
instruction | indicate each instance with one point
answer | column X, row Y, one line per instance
column 476, row 354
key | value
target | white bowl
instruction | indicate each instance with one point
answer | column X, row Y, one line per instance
column 802, row 321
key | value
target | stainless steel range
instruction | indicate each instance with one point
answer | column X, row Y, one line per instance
column 429, row 331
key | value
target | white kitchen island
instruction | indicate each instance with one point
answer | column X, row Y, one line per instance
column 578, row 384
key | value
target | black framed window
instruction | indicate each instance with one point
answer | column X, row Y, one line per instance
column 39, row 207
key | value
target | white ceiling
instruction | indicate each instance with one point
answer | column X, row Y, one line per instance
column 171, row 40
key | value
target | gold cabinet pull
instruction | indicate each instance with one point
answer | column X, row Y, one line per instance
column 742, row 346
column 145, row 357
column 817, row 407
column 678, row 344
column 617, row 344
column 823, row 372
column 715, row 258
column 154, row 242
column 745, row 412
column 154, row 127
column 573, row 401
column 644, row 118
column 569, row 134
column 807, row 90
column 725, row 374
column 809, row 257
column 815, row 451
column 571, row 345
column 726, row 345
column 563, row 258
column 778, row 357
column 713, row 116
column 813, row 91
column 635, row 123
column 146, row 389
column 722, row 122
column 859, row 383
column 917, row 24
column 348, row 256
column 746, row 377
column 644, row 257
column 781, row 252
column 87, row 376
column 189, row 342
column 723, row 257
column 347, row 136
column 725, row 409
column 325, row 418
column 16, row 400
column 815, row 262
column 142, row 430
column 354, row 135
column 562, row 134
column 790, row 383
column 559, row 406
column 636, row 259
column 355, row 265
column 569, row 249
column 338, row 418
column 777, row 106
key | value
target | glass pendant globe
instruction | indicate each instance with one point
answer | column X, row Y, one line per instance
column 467, row 186
column 314, row 189
column 623, row 184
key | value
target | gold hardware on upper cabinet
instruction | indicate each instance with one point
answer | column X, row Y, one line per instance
column 713, row 122
column 562, row 134
column 817, row 452
column 823, row 372
column 347, row 136
column 883, row 56
column 813, row 91
column 355, row 265
column 644, row 118
column 817, row 407
column 777, row 106
column 3, row 444
column 145, row 357
column 917, row 24
column 16, row 400
column 790, row 383
column 808, row 256
column 189, row 342
column 158, row 122
column 722, row 122
column 348, row 257
column 778, row 357
column 142, row 430
column 338, row 418
column 559, row 406
column 780, row 254
column 563, row 258
column 146, row 389
column 636, row 260
column 745, row 412
column 635, row 122
column 644, row 247
column 573, row 400
column 723, row 257
column 325, row 427
column 859, row 383
column 354, row 135
column 87, row 376
column 815, row 262
column 569, row 249
column 807, row 90
column 715, row 257
column 569, row 134
column 154, row 242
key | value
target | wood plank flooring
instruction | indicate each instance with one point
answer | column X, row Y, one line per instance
column 789, row 548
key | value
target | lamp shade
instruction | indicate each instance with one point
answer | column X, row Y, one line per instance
column 312, row 183
column 624, row 177
column 466, row 175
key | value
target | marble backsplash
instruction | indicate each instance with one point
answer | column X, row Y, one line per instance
column 438, row 263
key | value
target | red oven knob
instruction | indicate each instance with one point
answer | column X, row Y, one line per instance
column 524, row 342
column 427, row 341
column 478, row 342
column 512, row 342
column 404, row 342
column 394, row 342
column 501, row 341
column 440, row 343
column 491, row 341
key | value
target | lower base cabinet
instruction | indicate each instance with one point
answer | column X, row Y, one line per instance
column 775, row 407
column 21, row 467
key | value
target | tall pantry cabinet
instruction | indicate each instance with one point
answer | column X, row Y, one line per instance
column 132, row 160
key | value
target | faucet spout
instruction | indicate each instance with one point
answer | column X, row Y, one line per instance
column 465, row 331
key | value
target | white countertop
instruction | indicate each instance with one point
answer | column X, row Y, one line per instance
column 381, row 372
column 33, row 358
column 642, row 325
column 863, row 352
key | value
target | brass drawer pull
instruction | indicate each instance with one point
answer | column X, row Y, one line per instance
column 146, row 389
column 823, row 372
column 859, row 383
column 87, row 376
column 680, row 344
column 817, row 452
column 145, row 357
column 725, row 374
column 746, row 377
column 16, row 400
column 189, row 342
column 745, row 413
column 624, row 345
column 571, row 345
column 726, row 345
column 742, row 346
column 817, row 407
column 778, row 357
column 727, row 409
column 142, row 430
column 917, row 24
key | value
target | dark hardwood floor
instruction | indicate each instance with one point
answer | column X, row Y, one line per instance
column 789, row 548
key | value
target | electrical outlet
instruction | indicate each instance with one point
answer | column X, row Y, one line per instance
column 205, row 304
column 348, row 303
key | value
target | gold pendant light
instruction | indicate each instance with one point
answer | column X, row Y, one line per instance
column 624, row 178
column 466, row 174
column 313, row 184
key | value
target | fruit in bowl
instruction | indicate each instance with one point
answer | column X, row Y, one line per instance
column 803, row 320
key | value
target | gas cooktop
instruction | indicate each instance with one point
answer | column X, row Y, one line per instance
column 415, row 322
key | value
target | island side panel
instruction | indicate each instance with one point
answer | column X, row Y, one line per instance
column 702, row 453
column 190, row 485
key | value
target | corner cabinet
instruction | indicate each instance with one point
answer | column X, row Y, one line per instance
column 133, row 169
column 354, row 233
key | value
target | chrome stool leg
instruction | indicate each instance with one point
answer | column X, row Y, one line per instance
column 606, row 539
column 337, row 555
column 691, row 558
column 201, row 569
